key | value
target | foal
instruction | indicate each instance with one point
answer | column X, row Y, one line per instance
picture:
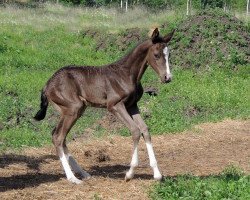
column 116, row 87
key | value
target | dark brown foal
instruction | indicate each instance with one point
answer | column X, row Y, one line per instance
column 116, row 87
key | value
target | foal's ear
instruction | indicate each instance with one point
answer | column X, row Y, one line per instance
column 168, row 37
column 155, row 34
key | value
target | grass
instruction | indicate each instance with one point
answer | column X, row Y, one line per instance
column 34, row 43
column 196, row 97
column 76, row 19
column 203, row 42
column 231, row 184
column 212, row 187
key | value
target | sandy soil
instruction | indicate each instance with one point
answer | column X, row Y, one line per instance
column 36, row 173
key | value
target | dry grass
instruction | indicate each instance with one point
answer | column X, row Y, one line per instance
column 77, row 18
column 207, row 149
column 49, row 15
column 242, row 16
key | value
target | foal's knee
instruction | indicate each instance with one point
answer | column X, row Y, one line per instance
column 147, row 137
column 145, row 133
column 136, row 134
column 144, row 129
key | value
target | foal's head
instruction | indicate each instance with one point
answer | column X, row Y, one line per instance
column 158, row 55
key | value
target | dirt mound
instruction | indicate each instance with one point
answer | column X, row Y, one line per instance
column 36, row 173
column 122, row 40
column 211, row 38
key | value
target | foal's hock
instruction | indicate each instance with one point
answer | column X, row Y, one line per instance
column 116, row 87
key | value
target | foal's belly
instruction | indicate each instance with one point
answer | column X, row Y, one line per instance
column 94, row 99
column 97, row 104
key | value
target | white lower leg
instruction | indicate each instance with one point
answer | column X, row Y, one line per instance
column 134, row 163
column 153, row 162
column 75, row 167
column 69, row 174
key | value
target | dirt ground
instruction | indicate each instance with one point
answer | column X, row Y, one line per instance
column 36, row 173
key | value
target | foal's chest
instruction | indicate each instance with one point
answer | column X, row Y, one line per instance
column 135, row 96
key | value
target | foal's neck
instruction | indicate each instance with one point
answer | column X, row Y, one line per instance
column 137, row 60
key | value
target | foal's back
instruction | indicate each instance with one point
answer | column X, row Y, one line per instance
column 92, row 85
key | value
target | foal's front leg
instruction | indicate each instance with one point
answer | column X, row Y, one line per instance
column 135, row 113
column 121, row 112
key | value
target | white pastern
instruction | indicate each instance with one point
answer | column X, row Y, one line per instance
column 153, row 162
column 166, row 54
column 134, row 163
column 135, row 159
column 69, row 174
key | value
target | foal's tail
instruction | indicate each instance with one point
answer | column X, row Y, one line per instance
column 43, row 107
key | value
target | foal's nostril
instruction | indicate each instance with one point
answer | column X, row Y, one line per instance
column 167, row 79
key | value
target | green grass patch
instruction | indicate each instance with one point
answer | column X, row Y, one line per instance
column 231, row 184
column 194, row 97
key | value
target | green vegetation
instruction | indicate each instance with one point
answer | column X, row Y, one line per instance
column 209, row 43
column 195, row 97
column 231, row 184
column 33, row 46
column 34, row 43
column 159, row 4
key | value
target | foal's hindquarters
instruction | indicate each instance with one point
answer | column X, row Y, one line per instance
column 70, row 107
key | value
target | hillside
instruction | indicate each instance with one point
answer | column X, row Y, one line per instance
column 211, row 38
column 52, row 36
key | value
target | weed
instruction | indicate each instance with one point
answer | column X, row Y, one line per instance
column 97, row 197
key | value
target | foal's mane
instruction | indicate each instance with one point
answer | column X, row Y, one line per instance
column 123, row 59
column 120, row 62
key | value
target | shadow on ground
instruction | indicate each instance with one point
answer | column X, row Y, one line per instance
column 30, row 161
column 30, row 179
column 116, row 172
column 27, row 180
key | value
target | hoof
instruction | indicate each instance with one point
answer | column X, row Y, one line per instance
column 86, row 175
column 159, row 177
column 128, row 177
column 75, row 180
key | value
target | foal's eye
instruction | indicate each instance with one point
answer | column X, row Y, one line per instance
column 157, row 56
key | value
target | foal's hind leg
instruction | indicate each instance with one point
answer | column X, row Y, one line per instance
column 69, row 114
column 73, row 163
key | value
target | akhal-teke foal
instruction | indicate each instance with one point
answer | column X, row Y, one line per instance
column 116, row 87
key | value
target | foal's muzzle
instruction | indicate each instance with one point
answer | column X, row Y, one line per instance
column 167, row 78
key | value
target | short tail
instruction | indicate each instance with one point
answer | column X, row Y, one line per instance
column 40, row 115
